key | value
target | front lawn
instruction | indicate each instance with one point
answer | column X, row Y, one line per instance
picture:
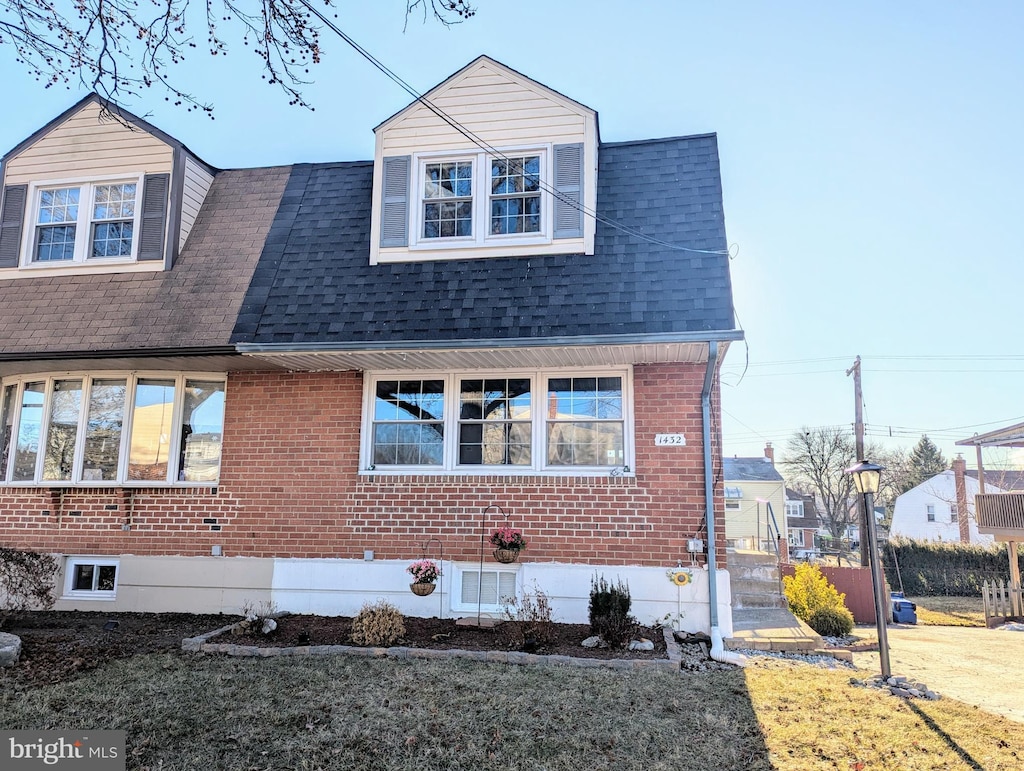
column 192, row 712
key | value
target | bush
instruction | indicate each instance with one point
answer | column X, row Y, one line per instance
column 379, row 624
column 528, row 621
column 831, row 622
column 26, row 581
column 609, row 612
column 808, row 591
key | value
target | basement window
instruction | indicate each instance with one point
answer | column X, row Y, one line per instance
column 491, row 588
column 93, row 578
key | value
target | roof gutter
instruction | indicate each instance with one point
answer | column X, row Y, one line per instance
column 718, row 652
column 477, row 343
column 135, row 353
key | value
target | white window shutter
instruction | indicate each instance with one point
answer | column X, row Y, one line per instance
column 568, row 186
column 394, row 220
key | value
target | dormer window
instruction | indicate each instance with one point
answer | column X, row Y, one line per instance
column 448, row 199
column 83, row 222
column 515, row 195
column 515, row 200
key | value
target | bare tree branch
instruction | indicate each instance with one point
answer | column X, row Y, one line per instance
column 118, row 48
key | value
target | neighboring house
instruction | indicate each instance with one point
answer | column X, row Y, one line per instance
column 283, row 384
column 801, row 519
column 755, row 502
column 931, row 511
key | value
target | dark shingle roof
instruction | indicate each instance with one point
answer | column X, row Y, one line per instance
column 194, row 305
column 314, row 282
column 749, row 470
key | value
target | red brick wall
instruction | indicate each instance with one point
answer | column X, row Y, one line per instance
column 289, row 488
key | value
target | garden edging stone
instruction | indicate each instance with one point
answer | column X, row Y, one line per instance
column 201, row 644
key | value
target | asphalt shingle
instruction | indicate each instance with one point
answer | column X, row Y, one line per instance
column 314, row 282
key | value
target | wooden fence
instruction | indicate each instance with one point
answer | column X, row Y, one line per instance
column 855, row 582
column 1001, row 601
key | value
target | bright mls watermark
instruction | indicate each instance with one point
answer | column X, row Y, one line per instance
column 79, row 750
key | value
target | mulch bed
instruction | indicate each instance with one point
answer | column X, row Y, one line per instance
column 445, row 634
column 58, row 646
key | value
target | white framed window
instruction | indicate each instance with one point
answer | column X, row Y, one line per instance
column 93, row 578
column 478, row 199
column 112, row 428
column 953, row 513
column 930, row 512
column 515, row 422
column 83, row 221
column 491, row 588
column 732, row 505
column 794, row 509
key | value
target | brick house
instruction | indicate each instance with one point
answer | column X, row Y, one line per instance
column 281, row 385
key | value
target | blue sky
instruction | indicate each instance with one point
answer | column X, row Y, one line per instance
column 871, row 162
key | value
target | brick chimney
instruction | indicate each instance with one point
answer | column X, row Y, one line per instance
column 959, row 469
column 769, row 452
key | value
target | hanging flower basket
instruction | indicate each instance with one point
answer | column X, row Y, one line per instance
column 508, row 542
column 506, row 555
column 424, row 572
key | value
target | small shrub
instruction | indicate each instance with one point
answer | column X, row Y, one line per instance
column 258, row 619
column 609, row 612
column 831, row 622
column 26, row 581
column 378, row 624
column 808, row 591
column 528, row 621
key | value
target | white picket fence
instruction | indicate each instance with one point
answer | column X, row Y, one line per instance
column 1001, row 601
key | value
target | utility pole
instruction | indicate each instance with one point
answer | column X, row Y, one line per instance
column 866, row 519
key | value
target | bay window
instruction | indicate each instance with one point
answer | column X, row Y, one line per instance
column 112, row 429
column 517, row 422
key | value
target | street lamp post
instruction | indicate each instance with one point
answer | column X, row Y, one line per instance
column 866, row 478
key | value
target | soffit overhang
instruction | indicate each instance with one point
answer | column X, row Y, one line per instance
column 495, row 354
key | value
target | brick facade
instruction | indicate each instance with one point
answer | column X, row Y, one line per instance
column 289, row 488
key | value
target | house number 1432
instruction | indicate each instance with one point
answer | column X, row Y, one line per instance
column 669, row 440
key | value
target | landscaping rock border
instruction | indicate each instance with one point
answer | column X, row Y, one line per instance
column 202, row 644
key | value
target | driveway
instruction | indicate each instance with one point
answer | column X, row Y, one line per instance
column 977, row 666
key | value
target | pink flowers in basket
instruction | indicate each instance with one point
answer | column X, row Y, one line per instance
column 508, row 538
column 424, row 571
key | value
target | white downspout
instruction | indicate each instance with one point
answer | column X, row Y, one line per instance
column 718, row 651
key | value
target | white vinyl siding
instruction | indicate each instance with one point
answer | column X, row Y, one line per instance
column 197, row 185
column 84, row 146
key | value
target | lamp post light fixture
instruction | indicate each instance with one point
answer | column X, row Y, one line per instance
column 866, row 478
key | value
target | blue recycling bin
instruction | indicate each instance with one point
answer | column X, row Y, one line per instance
column 903, row 610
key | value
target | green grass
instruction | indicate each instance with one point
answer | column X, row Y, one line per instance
column 949, row 611
column 310, row 713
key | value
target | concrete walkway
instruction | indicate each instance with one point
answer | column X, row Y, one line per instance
column 771, row 629
column 970, row 664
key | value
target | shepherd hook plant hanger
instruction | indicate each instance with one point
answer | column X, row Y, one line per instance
column 440, row 575
column 483, row 539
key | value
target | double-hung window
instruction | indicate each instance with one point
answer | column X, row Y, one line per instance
column 480, row 199
column 518, row 422
column 112, row 429
column 85, row 222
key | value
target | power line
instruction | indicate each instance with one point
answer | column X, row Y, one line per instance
column 488, row 148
